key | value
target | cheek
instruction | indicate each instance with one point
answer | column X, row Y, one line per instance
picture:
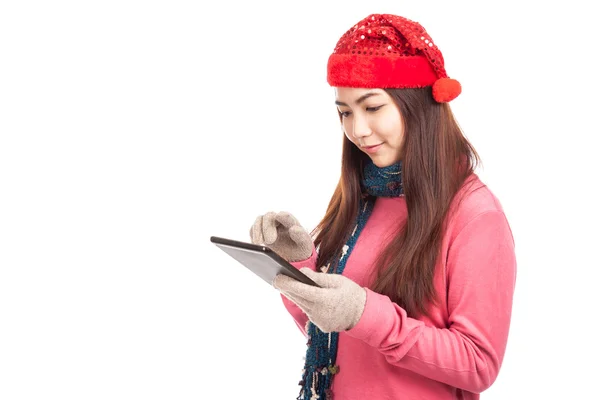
column 350, row 138
column 346, row 128
column 391, row 127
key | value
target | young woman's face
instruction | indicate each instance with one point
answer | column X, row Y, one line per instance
column 372, row 121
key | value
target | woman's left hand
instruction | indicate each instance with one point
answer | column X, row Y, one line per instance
column 334, row 307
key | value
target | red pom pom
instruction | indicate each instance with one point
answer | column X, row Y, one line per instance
column 445, row 90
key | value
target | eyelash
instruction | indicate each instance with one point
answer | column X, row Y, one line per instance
column 369, row 109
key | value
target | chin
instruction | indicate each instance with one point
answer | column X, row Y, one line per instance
column 382, row 163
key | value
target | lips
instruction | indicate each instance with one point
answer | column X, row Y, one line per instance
column 372, row 148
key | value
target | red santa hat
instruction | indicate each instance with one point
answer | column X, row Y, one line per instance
column 389, row 51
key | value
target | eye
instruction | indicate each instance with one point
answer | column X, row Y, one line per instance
column 373, row 109
column 345, row 114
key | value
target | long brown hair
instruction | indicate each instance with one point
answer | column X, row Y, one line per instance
column 436, row 161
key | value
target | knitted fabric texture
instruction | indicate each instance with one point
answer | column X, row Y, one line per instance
column 320, row 367
column 389, row 51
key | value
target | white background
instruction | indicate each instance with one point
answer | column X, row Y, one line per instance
column 133, row 131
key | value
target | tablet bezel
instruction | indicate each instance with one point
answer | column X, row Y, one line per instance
column 284, row 266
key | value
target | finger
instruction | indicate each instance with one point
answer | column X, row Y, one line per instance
column 286, row 219
column 280, row 283
column 296, row 288
column 304, row 304
column 299, row 235
column 322, row 279
column 283, row 282
column 269, row 229
column 256, row 235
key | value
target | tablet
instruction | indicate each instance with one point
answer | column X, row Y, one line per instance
column 261, row 260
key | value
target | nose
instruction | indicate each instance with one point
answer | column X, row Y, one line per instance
column 360, row 128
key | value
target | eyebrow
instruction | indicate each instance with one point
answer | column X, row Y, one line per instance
column 360, row 99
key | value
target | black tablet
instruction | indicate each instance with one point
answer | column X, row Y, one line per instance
column 261, row 260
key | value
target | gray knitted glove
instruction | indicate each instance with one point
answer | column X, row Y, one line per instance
column 336, row 306
column 283, row 234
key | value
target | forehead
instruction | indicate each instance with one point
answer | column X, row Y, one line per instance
column 351, row 95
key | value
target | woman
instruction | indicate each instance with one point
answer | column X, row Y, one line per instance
column 414, row 256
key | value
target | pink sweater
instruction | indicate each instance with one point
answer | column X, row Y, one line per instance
column 455, row 354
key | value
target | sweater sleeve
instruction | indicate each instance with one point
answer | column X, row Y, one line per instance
column 467, row 354
column 299, row 316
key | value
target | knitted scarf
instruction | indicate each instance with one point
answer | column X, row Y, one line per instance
column 320, row 367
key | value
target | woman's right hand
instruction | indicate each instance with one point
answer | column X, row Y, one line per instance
column 283, row 234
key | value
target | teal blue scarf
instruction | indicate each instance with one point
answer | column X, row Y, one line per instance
column 320, row 367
